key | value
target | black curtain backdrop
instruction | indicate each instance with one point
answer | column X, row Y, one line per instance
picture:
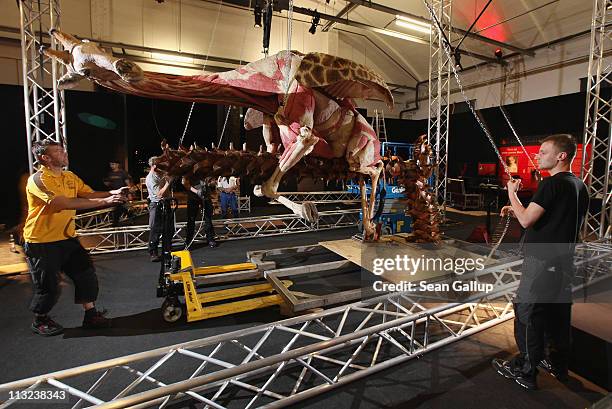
column 90, row 148
column 468, row 144
column 142, row 123
column 14, row 161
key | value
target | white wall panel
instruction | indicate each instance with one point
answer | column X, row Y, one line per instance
column 127, row 21
column 10, row 72
column 75, row 17
column 188, row 26
column 553, row 71
column 161, row 24
column 10, row 13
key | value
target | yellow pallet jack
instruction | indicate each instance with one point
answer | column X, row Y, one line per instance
column 182, row 280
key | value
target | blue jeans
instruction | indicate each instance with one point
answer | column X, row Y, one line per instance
column 231, row 200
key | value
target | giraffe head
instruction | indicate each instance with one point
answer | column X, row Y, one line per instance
column 85, row 59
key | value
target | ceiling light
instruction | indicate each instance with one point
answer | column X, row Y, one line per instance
column 315, row 22
column 413, row 24
column 403, row 36
column 172, row 57
column 413, row 21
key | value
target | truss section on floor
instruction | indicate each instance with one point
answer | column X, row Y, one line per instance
column 278, row 364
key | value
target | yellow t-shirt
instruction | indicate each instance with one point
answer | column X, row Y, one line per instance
column 42, row 225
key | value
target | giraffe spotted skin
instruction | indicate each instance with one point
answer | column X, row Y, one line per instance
column 341, row 78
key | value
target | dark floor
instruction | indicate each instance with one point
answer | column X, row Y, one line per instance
column 456, row 376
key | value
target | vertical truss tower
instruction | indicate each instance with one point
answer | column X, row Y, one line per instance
column 597, row 127
column 439, row 93
column 43, row 102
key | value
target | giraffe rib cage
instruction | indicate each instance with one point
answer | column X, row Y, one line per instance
column 323, row 351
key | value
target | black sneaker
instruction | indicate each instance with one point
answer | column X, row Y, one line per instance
column 46, row 327
column 212, row 244
column 156, row 258
column 558, row 373
column 96, row 320
column 507, row 370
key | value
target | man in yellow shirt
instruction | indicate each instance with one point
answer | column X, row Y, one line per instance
column 49, row 234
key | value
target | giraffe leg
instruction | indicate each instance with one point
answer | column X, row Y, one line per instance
column 69, row 80
column 365, row 220
column 62, row 56
column 65, row 39
column 302, row 147
column 369, row 228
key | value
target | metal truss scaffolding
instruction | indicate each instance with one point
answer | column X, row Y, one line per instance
column 597, row 127
column 331, row 197
column 43, row 101
column 107, row 240
column 439, row 94
column 104, row 217
column 278, row 364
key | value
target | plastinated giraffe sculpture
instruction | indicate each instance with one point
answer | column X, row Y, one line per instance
column 303, row 102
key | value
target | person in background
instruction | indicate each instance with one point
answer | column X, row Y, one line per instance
column 117, row 178
column 229, row 194
column 50, row 242
column 158, row 187
column 198, row 197
column 512, row 164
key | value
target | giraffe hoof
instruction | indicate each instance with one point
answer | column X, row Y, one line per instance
column 257, row 191
column 309, row 212
column 128, row 71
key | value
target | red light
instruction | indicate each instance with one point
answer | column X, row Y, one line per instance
column 499, row 53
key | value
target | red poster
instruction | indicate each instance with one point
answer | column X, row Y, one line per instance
column 520, row 164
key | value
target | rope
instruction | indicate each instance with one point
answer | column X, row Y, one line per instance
column 212, row 38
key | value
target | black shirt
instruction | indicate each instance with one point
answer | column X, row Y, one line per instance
column 565, row 200
column 204, row 190
column 117, row 179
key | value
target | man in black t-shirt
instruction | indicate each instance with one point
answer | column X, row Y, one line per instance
column 115, row 179
column 198, row 197
column 542, row 305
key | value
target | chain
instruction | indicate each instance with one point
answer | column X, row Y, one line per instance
column 501, row 108
column 186, row 124
column 288, row 62
column 447, row 50
column 501, row 238
column 224, row 125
